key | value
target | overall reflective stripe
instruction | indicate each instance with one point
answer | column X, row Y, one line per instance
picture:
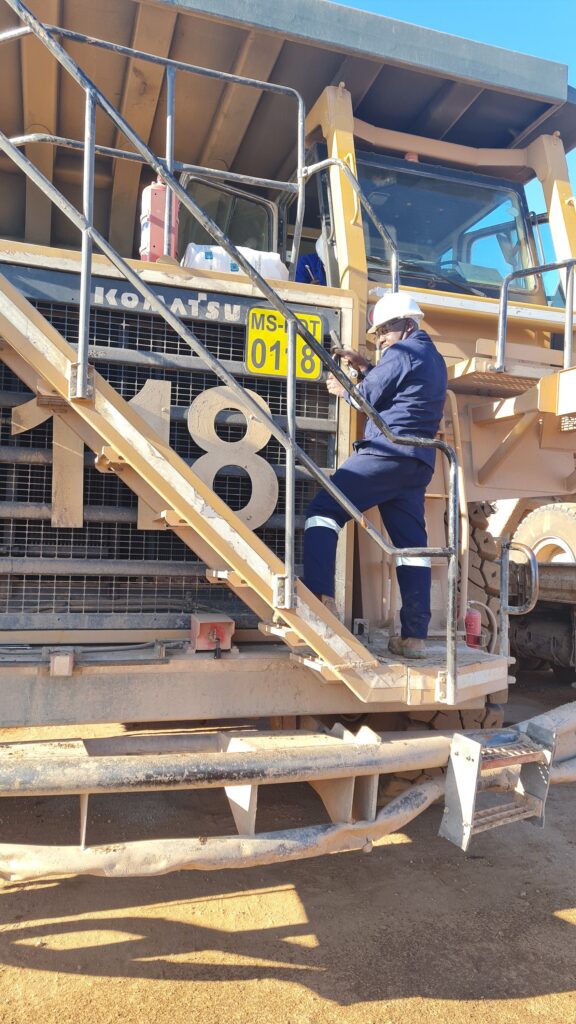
column 328, row 524
column 421, row 561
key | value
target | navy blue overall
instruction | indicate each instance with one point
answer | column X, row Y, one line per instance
column 310, row 269
column 408, row 389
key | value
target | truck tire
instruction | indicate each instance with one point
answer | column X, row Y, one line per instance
column 483, row 569
column 551, row 532
column 491, row 716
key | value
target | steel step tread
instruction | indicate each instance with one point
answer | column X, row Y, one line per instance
column 503, row 814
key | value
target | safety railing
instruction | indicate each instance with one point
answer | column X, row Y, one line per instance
column 48, row 34
column 181, row 167
column 537, row 271
column 80, row 390
column 303, row 173
column 507, row 609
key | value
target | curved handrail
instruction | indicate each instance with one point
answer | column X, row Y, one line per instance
column 537, row 271
column 506, row 608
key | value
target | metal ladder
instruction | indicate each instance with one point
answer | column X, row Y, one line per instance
column 481, row 765
column 124, row 444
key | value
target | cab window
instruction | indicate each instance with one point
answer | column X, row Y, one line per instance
column 245, row 219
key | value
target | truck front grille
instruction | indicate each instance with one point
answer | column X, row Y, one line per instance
column 109, row 574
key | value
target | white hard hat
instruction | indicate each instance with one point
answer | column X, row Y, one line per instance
column 395, row 306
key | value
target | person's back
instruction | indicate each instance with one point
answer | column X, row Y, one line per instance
column 408, row 388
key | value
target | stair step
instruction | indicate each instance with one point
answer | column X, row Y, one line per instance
column 503, row 814
column 317, row 665
column 520, row 751
column 473, row 769
column 51, row 399
column 225, row 576
column 282, row 632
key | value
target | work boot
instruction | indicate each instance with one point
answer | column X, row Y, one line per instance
column 330, row 604
column 407, row 647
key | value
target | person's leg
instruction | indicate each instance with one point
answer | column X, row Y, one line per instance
column 366, row 480
column 403, row 517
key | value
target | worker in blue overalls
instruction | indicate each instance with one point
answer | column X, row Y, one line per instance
column 408, row 388
column 311, row 268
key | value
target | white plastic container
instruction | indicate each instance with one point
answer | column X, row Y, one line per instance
column 213, row 257
column 152, row 223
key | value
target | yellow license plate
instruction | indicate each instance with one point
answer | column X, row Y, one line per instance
column 267, row 345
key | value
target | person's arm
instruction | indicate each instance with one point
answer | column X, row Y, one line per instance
column 358, row 363
column 381, row 381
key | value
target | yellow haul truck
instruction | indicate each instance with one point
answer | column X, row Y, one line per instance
column 165, row 418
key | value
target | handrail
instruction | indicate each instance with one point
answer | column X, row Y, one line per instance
column 46, row 33
column 91, row 235
column 537, row 271
column 177, row 165
column 506, row 608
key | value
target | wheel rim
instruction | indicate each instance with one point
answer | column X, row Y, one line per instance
column 554, row 549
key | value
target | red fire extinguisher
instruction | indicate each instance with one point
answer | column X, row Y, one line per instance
column 473, row 627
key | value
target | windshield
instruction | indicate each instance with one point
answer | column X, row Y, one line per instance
column 451, row 233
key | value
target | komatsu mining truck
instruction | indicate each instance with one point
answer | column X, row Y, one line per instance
column 165, row 418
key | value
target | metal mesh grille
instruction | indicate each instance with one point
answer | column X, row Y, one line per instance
column 35, row 538
column 10, row 382
column 104, row 490
column 304, row 491
column 234, row 490
column 62, row 593
column 25, row 483
column 38, row 437
column 114, row 594
column 319, row 446
column 275, row 539
column 142, row 332
column 312, row 400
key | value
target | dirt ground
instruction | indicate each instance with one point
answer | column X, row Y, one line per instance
column 413, row 933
